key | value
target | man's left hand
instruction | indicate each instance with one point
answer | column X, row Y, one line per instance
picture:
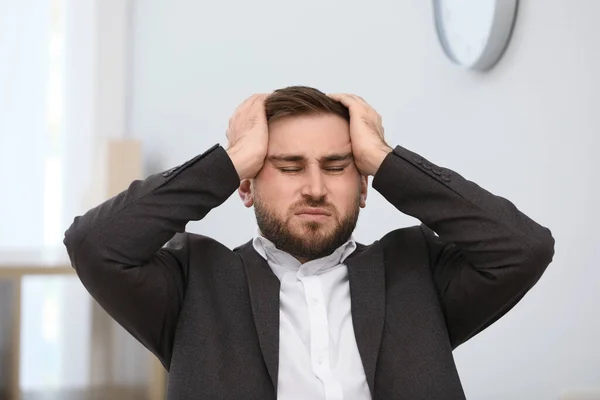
column 366, row 133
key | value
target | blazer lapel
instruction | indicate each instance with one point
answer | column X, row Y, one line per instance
column 264, row 289
column 367, row 291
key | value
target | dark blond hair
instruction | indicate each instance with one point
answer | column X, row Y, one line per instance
column 296, row 101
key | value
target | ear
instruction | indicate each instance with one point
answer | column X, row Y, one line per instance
column 364, row 186
column 245, row 192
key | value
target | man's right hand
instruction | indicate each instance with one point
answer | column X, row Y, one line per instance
column 248, row 136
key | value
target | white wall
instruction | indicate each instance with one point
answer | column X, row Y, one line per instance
column 528, row 130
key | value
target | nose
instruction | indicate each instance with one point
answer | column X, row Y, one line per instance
column 314, row 186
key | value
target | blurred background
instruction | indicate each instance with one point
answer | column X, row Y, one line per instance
column 96, row 93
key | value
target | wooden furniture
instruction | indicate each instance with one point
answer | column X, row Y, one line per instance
column 13, row 267
column 120, row 162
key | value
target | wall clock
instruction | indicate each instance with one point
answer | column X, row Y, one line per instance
column 474, row 33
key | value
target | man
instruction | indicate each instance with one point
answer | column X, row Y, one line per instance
column 302, row 311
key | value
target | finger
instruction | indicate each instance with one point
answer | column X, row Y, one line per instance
column 251, row 100
column 258, row 105
column 259, row 97
column 360, row 100
column 243, row 105
column 250, row 103
column 349, row 100
column 343, row 98
column 257, row 102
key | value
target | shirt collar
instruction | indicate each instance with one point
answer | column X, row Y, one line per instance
column 273, row 255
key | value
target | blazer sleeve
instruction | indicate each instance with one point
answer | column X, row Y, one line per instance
column 485, row 254
column 120, row 252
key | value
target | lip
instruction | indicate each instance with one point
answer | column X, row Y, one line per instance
column 313, row 211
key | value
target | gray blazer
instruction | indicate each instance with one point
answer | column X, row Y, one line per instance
column 211, row 314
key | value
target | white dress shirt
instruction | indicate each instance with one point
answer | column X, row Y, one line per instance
column 318, row 355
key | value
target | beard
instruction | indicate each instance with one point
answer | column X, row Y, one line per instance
column 306, row 240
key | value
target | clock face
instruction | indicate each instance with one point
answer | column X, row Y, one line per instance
column 474, row 33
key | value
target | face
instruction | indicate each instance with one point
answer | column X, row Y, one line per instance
column 308, row 194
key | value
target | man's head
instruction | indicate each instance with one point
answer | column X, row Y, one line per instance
column 308, row 194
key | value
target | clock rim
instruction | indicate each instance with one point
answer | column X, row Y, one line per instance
column 498, row 37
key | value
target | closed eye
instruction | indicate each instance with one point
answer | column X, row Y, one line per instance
column 299, row 169
column 288, row 170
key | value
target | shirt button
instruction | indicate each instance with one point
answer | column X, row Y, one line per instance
column 314, row 302
column 320, row 360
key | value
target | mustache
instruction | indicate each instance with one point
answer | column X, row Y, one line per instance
column 313, row 203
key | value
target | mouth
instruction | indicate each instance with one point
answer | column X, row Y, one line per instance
column 313, row 213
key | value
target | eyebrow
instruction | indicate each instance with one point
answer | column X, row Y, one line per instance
column 297, row 158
